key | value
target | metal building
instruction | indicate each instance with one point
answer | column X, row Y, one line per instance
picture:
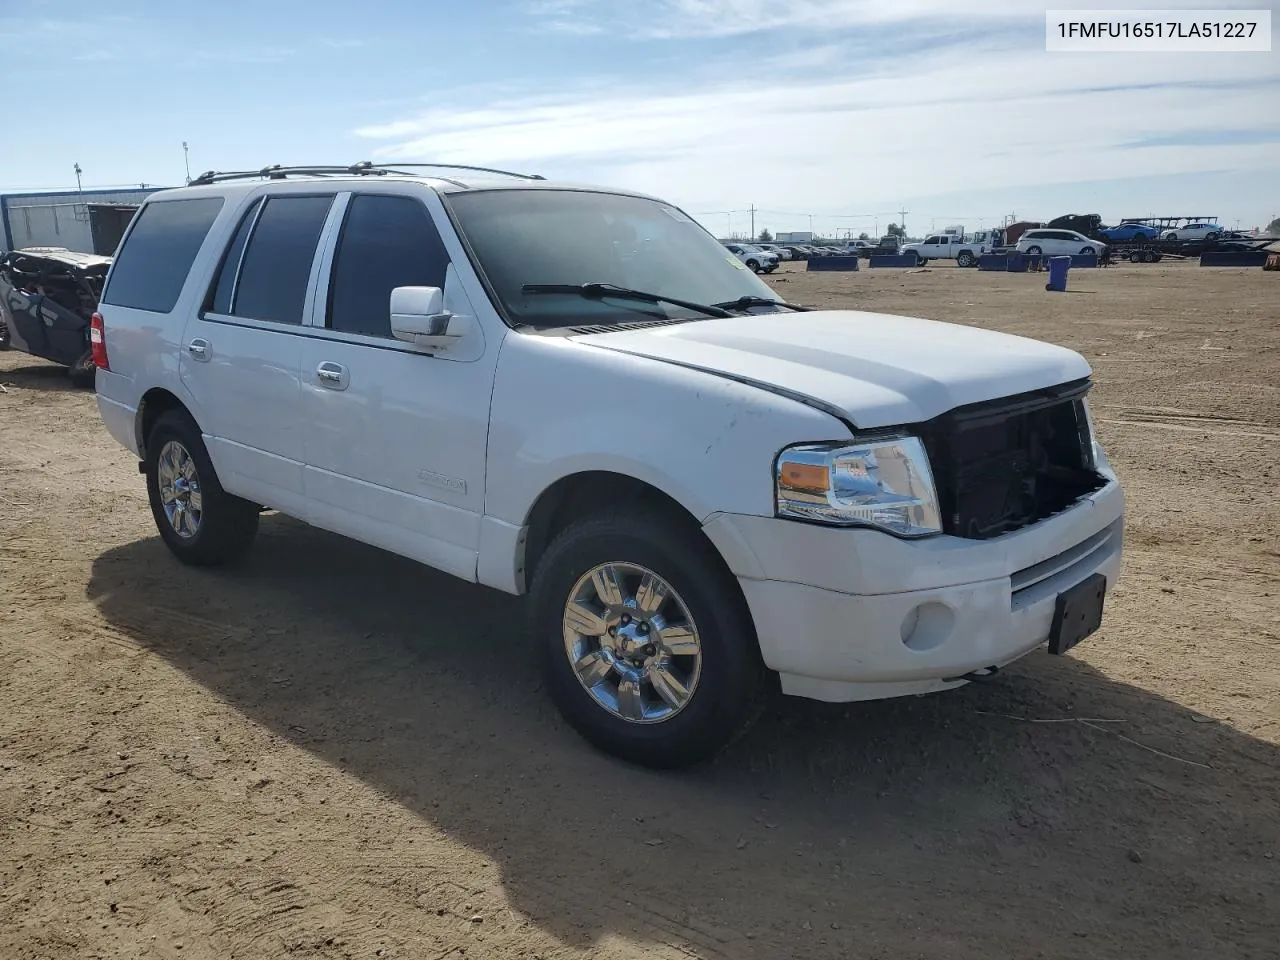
column 87, row 221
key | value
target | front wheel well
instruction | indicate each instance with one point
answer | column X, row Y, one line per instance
column 583, row 494
column 155, row 403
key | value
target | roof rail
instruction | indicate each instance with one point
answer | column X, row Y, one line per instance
column 362, row 169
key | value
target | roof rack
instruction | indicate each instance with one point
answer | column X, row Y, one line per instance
column 365, row 168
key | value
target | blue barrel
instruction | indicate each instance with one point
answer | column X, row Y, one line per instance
column 1058, row 267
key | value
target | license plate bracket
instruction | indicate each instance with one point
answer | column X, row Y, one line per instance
column 1077, row 613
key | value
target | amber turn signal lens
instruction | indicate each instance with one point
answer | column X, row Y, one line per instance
column 807, row 477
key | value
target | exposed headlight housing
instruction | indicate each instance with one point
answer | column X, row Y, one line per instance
column 886, row 484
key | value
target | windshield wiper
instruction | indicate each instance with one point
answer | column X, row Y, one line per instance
column 742, row 303
column 598, row 291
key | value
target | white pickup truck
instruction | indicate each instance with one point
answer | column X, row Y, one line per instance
column 702, row 488
column 964, row 249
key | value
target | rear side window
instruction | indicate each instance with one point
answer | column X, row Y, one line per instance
column 386, row 242
column 277, row 261
column 157, row 254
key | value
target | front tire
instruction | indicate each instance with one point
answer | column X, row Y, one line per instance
column 647, row 646
column 200, row 523
column 753, row 266
column 1087, row 251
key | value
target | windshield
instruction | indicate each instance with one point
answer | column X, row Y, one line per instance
column 571, row 237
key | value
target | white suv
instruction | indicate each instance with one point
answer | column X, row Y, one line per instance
column 698, row 484
column 1058, row 243
column 756, row 259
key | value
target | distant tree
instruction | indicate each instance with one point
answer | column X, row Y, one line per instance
column 895, row 231
column 765, row 236
column 864, row 236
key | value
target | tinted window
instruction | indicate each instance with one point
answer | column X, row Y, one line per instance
column 152, row 266
column 221, row 300
column 386, row 242
column 277, row 261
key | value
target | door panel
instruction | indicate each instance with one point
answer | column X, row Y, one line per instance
column 66, row 332
column 246, row 392
column 26, row 329
column 395, row 457
column 396, row 438
column 242, row 364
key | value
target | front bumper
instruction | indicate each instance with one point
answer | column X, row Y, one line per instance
column 856, row 614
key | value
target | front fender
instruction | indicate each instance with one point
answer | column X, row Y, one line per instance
column 561, row 408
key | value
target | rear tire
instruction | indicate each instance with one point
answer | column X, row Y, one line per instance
column 965, row 259
column 1033, row 251
column 1211, row 237
column 84, row 372
column 722, row 693
column 200, row 523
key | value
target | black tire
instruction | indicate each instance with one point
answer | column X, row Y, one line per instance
column 84, row 372
column 730, row 688
column 1033, row 251
column 1211, row 237
column 965, row 259
column 4, row 333
column 1137, row 256
column 753, row 266
column 227, row 524
column 1087, row 251
column 1172, row 236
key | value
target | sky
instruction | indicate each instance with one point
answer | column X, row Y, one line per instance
column 830, row 114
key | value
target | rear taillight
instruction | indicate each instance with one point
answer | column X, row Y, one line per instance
column 98, row 342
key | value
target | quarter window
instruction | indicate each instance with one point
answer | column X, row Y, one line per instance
column 386, row 242
column 151, row 268
column 277, row 260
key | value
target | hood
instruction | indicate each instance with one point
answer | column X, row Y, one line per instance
column 876, row 370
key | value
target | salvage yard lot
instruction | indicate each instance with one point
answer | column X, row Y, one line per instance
column 332, row 752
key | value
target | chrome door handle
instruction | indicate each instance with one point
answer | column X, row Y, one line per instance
column 199, row 349
column 332, row 375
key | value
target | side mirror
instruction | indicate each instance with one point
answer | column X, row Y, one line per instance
column 418, row 316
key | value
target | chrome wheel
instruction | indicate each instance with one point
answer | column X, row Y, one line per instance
column 632, row 642
column 179, row 489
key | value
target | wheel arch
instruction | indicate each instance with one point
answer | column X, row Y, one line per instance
column 154, row 403
column 582, row 493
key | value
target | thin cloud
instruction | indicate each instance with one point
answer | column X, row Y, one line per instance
column 928, row 128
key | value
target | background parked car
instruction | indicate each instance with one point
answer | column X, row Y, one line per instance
column 776, row 248
column 1057, row 243
column 1130, row 231
column 47, row 297
column 1199, row 230
column 760, row 261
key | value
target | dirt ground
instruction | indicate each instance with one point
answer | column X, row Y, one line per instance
column 332, row 752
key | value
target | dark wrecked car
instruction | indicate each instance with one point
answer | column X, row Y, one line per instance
column 48, row 295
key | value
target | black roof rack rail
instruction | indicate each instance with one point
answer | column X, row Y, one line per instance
column 363, row 168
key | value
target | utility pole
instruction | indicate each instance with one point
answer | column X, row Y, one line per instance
column 79, row 189
column 902, row 222
column 186, row 160
column 753, row 221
